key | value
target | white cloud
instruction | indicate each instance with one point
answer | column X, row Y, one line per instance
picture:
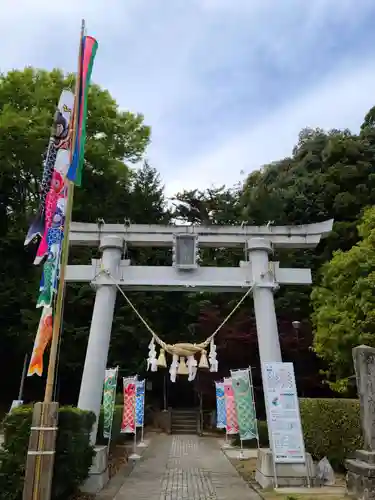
column 214, row 78
column 341, row 101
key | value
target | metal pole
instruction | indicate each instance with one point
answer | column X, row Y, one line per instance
column 165, row 391
column 134, row 455
column 307, row 472
column 227, row 443
column 23, row 376
column 142, row 444
column 254, row 407
column 113, row 414
column 274, row 471
column 242, row 456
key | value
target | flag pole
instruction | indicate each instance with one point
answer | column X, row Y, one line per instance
column 23, row 376
column 40, row 456
column 113, row 413
column 65, row 246
column 142, row 443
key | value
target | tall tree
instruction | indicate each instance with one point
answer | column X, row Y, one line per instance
column 211, row 206
column 115, row 139
column 344, row 304
column 329, row 175
column 147, row 195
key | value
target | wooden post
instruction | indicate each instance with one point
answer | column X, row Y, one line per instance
column 38, row 480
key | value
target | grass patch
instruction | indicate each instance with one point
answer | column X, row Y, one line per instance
column 246, row 469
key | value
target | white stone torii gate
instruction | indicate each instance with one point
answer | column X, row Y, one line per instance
column 264, row 276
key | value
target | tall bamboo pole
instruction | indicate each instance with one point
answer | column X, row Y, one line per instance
column 40, row 458
column 65, row 247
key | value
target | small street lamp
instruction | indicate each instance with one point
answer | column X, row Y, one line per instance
column 296, row 325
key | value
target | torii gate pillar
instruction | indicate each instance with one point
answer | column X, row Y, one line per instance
column 91, row 391
column 264, row 305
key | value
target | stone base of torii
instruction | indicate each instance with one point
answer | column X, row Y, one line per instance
column 257, row 271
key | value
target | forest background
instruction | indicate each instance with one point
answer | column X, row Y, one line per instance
column 330, row 174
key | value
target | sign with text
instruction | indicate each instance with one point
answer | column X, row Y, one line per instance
column 283, row 417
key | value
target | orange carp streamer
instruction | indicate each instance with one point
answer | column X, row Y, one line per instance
column 42, row 339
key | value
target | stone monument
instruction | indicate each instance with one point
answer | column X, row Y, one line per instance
column 360, row 478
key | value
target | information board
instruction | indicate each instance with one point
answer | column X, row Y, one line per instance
column 283, row 416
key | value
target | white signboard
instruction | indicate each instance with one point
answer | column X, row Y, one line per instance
column 283, row 417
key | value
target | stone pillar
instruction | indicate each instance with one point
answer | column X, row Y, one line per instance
column 264, row 305
column 90, row 396
column 360, row 478
column 264, row 286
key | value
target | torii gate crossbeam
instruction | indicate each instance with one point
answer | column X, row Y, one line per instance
column 258, row 272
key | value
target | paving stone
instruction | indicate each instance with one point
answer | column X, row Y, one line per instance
column 184, row 468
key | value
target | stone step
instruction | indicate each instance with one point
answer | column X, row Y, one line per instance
column 184, row 421
column 185, row 432
column 182, row 426
column 180, row 418
column 184, row 413
column 185, row 424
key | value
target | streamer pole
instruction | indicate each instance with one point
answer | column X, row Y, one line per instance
column 41, row 452
column 65, row 247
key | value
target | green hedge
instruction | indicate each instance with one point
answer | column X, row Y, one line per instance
column 116, row 426
column 73, row 457
column 331, row 429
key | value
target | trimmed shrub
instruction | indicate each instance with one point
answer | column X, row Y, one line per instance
column 263, row 434
column 331, row 428
column 73, row 457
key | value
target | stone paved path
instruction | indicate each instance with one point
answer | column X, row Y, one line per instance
column 184, row 468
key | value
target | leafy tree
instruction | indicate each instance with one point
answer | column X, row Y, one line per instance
column 212, row 206
column 329, row 175
column 147, row 195
column 343, row 304
column 115, row 139
column 326, row 177
column 27, row 101
column 369, row 120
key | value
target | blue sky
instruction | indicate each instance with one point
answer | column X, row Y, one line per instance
column 226, row 85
